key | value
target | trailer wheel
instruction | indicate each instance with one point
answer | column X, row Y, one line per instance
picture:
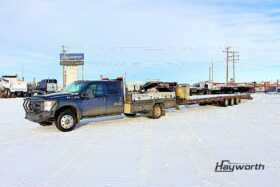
column 129, row 115
column 225, row 103
column 231, row 101
column 237, row 100
column 157, row 111
column 66, row 121
column 45, row 123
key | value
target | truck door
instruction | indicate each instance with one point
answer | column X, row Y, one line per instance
column 95, row 104
column 114, row 98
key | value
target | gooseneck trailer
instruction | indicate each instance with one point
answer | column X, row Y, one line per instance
column 83, row 99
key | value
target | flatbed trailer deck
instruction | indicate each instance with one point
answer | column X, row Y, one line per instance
column 146, row 106
column 215, row 99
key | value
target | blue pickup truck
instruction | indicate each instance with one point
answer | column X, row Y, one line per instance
column 83, row 99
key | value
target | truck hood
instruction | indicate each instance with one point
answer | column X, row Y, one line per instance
column 57, row 96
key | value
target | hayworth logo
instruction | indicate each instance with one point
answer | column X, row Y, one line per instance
column 227, row 166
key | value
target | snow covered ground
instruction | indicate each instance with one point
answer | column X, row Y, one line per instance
column 179, row 149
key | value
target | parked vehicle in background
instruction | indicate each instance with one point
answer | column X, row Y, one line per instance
column 45, row 86
column 12, row 86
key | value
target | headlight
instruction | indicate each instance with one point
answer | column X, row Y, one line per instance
column 48, row 105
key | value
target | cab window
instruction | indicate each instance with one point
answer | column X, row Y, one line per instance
column 112, row 89
column 95, row 90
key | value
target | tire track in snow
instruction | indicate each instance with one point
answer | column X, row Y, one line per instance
column 265, row 156
column 145, row 163
column 56, row 178
column 202, row 158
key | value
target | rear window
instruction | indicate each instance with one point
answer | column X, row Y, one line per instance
column 113, row 89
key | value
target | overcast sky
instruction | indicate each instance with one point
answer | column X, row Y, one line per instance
column 169, row 40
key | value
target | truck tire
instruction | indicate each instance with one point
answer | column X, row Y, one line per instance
column 8, row 92
column 45, row 123
column 130, row 115
column 66, row 121
column 231, row 101
column 157, row 111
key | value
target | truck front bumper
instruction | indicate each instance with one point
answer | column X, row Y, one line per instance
column 34, row 111
column 38, row 118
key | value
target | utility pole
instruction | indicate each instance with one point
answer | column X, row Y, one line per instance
column 235, row 57
column 227, row 60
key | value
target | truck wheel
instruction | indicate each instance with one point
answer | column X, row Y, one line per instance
column 157, row 111
column 130, row 115
column 225, row 103
column 45, row 123
column 8, row 92
column 231, row 101
column 66, row 121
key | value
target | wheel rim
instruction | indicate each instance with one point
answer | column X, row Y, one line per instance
column 157, row 111
column 67, row 121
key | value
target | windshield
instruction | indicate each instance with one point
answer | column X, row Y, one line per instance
column 75, row 87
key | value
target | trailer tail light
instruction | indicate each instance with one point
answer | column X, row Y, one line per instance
column 105, row 79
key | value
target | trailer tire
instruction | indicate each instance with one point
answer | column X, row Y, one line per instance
column 157, row 111
column 231, row 101
column 45, row 123
column 237, row 100
column 66, row 121
column 225, row 103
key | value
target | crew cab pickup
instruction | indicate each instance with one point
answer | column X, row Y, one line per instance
column 83, row 99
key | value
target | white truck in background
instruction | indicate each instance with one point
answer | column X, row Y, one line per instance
column 11, row 86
